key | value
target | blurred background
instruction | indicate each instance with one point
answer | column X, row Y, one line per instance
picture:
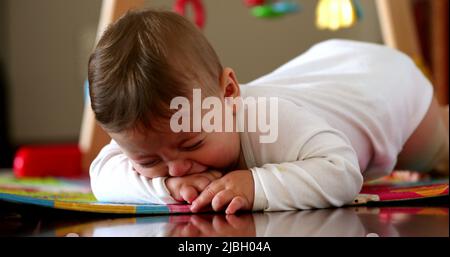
column 45, row 46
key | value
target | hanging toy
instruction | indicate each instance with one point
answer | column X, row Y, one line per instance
column 252, row 3
column 271, row 9
column 337, row 14
column 199, row 11
column 358, row 9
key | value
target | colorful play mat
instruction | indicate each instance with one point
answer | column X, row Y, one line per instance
column 75, row 194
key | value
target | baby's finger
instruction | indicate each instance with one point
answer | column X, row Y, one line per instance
column 204, row 179
column 238, row 203
column 177, row 196
column 188, row 193
column 205, row 196
column 221, row 199
column 216, row 174
column 201, row 183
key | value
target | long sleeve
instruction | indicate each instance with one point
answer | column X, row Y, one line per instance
column 113, row 179
column 312, row 165
column 326, row 174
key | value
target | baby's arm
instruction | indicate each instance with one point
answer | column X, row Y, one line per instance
column 322, row 169
column 326, row 174
column 113, row 179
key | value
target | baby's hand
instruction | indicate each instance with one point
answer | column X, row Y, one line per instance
column 234, row 190
column 188, row 187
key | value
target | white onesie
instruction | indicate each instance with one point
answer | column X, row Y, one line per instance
column 346, row 109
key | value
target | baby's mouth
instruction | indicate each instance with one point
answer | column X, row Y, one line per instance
column 198, row 168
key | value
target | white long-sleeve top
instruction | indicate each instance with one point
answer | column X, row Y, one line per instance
column 345, row 109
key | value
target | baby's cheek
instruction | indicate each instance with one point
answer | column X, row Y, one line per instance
column 220, row 156
column 140, row 171
column 150, row 172
column 135, row 167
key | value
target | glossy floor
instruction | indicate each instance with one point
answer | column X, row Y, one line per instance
column 387, row 221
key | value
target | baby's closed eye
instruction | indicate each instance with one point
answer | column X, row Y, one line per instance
column 191, row 146
column 149, row 164
column 150, row 169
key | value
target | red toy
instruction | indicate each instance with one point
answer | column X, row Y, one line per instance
column 43, row 161
column 252, row 3
column 199, row 11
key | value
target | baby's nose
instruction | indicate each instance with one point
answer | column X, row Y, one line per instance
column 179, row 168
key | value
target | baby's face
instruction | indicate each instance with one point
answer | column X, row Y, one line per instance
column 177, row 154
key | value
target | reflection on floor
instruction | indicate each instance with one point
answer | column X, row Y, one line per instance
column 387, row 221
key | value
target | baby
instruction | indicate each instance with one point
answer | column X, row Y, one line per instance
column 345, row 112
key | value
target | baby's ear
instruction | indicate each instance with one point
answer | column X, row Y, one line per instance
column 229, row 83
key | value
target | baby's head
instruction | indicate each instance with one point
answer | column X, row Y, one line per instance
column 142, row 62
